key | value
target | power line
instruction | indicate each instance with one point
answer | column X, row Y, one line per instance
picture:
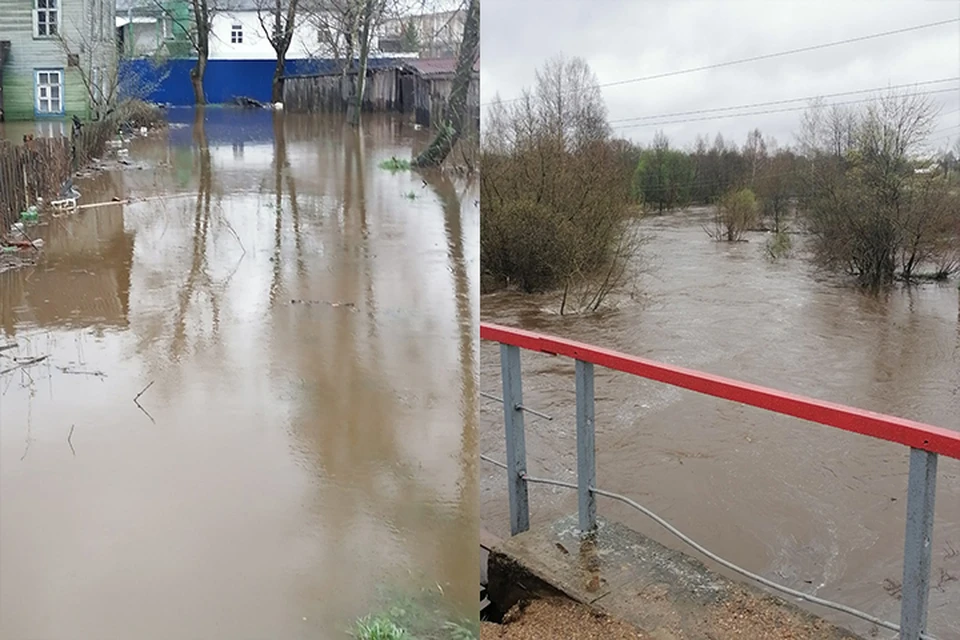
column 764, row 104
column 768, row 111
column 784, row 53
column 766, row 56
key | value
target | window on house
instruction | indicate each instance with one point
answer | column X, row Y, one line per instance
column 166, row 28
column 49, row 88
column 236, row 34
column 46, row 18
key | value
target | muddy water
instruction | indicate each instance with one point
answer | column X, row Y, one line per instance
column 815, row 508
column 285, row 459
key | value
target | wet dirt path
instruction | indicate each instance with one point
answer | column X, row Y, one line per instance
column 285, row 459
column 817, row 509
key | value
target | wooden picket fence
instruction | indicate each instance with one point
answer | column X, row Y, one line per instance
column 39, row 167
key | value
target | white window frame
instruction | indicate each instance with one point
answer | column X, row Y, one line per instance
column 50, row 12
column 42, row 92
column 236, row 33
column 166, row 28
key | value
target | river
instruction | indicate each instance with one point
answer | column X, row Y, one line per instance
column 257, row 414
column 815, row 508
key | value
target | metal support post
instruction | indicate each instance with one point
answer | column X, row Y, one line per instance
column 918, row 543
column 586, row 451
column 516, row 444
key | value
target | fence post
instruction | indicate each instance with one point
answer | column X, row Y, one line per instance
column 586, row 451
column 516, row 444
column 918, row 543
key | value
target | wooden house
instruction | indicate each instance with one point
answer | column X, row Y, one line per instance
column 56, row 60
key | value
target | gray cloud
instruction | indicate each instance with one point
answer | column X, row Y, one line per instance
column 632, row 38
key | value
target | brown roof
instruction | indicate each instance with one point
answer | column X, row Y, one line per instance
column 437, row 67
column 433, row 67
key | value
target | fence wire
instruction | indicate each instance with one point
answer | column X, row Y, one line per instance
column 836, row 606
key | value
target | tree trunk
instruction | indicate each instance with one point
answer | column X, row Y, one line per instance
column 277, row 93
column 201, row 12
column 281, row 38
column 360, row 84
column 450, row 131
column 196, row 78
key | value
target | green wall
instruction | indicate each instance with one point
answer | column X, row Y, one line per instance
column 18, row 95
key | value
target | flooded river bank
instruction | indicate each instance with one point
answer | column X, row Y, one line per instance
column 815, row 508
column 301, row 325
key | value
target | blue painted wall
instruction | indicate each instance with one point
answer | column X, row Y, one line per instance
column 224, row 79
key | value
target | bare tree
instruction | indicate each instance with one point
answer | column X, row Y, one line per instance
column 369, row 11
column 755, row 154
column 337, row 26
column 346, row 29
column 451, row 130
column 555, row 193
column 869, row 209
column 203, row 21
column 197, row 29
column 90, row 46
column 278, row 24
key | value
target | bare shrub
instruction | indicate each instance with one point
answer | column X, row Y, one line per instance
column 555, row 192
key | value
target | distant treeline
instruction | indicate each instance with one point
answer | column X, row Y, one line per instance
column 665, row 177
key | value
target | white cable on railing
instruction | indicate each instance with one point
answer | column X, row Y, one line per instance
column 492, row 461
column 726, row 563
column 490, row 396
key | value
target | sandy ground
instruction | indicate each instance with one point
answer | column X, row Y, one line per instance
column 555, row 618
column 736, row 619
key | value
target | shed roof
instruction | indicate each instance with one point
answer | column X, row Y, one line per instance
column 437, row 67
column 433, row 67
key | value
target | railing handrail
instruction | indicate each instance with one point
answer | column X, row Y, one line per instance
column 909, row 433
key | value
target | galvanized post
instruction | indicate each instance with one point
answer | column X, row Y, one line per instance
column 586, row 452
column 516, row 444
column 918, row 544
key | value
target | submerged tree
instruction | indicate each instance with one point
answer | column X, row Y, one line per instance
column 196, row 29
column 735, row 214
column 870, row 210
column 450, row 131
column 278, row 23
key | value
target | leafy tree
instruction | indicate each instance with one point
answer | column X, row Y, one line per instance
column 664, row 176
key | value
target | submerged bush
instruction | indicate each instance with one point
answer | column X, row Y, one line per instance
column 735, row 214
column 554, row 192
column 869, row 210
column 138, row 113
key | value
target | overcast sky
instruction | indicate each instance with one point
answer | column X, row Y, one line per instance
column 624, row 39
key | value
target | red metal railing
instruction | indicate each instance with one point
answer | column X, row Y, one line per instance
column 926, row 443
column 906, row 432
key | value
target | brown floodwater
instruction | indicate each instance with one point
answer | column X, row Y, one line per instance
column 816, row 508
column 286, row 463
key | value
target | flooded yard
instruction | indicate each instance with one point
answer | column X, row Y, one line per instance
column 257, row 408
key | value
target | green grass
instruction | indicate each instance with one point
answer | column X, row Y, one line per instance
column 406, row 615
column 395, row 164
column 379, row 628
column 410, row 195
